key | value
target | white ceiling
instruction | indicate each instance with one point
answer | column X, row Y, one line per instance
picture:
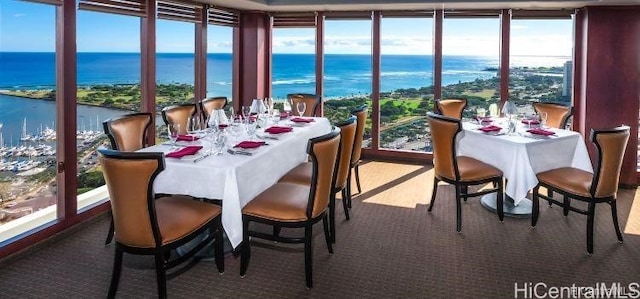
column 347, row 5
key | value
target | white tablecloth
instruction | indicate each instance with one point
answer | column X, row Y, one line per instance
column 520, row 157
column 236, row 179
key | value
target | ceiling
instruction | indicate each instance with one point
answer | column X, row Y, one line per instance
column 351, row 5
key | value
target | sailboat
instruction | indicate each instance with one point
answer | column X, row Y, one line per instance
column 25, row 136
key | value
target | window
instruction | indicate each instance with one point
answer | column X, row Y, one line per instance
column 540, row 61
column 406, row 91
column 347, row 70
column 220, row 61
column 294, row 61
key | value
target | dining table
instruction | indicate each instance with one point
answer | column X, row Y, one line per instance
column 236, row 175
column 520, row 155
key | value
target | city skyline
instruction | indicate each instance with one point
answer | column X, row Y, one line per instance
column 29, row 27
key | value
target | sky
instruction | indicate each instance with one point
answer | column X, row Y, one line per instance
column 30, row 27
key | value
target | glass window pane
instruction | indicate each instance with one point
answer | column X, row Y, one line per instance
column 347, row 70
column 220, row 61
column 406, row 82
column 294, row 62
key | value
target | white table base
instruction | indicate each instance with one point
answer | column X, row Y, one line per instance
column 522, row 210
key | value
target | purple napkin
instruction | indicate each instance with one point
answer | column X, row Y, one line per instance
column 278, row 130
column 490, row 128
column 187, row 138
column 302, row 120
column 539, row 131
column 250, row 144
column 189, row 150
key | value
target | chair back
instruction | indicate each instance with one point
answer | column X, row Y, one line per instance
column 128, row 132
column 610, row 147
column 557, row 114
column 452, row 107
column 361, row 115
column 347, row 137
column 312, row 102
column 178, row 114
column 323, row 151
column 129, row 178
column 443, row 140
column 209, row 104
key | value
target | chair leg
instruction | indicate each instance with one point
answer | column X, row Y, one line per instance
column 349, row 188
column 115, row 274
column 357, row 169
column 245, row 251
column 590, row 215
column 566, row 203
column 535, row 210
column 433, row 194
column 550, row 194
column 465, row 191
column 110, row 233
column 614, row 215
column 161, row 275
column 458, row 209
column 332, row 217
column 328, row 239
column 500, row 201
column 218, row 247
column 308, row 257
column 345, row 198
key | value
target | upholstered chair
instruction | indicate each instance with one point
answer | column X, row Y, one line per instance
column 127, row 133
column 146, row 225
column 209, row 104
column 178, row 114
column 592, row 188
column 460, row 171
column 303, row 173
column 295, row 205
column 452, row 107
column 312, row 101
column 557, row 114
column 361, row 116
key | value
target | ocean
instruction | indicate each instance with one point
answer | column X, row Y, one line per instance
column 345, row 75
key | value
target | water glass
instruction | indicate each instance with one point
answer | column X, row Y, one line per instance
column 301, row 107
column 219, row 142
column 543, row 119
column 194, row 126
column 286, row 106
column 251, row 128
column 173, row 130
column 246, row 112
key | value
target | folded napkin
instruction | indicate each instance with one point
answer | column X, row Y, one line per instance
column 490, row 128
column 278, row 130
column 189, row 150
column 222, row 126
column 187, row 138
column 539, row 131
column 250, row 144
column 284, row 115
column 483, row 118
column 302, row 120
column 531, row 121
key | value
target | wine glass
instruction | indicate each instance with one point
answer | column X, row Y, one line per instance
column 251, row 128
column 194, row 126
column 543, row 118
column 219, row 141
column 286, row 106
column 172, row 131
column 246, row 112
column 300, row 107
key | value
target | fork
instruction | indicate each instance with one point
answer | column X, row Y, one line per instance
column 239, row 152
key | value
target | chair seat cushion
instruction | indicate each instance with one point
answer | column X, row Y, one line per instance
column 475, row 170
column 300, row 174
column 178, row 216
column 572, row 180
column 285, row 202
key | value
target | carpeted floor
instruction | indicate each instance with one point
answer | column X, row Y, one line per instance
column 391, row 248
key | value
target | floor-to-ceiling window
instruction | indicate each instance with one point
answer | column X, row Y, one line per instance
column 220, row 61
column 540, row 60
column 174, row 62
column 27, row 117
column 470, row 60
column 293, row 67
column 406, row 81
column 347, row 70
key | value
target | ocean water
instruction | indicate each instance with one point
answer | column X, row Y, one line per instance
column 345, row 75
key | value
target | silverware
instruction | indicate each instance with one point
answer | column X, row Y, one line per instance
column 267, row 137
column 239, row 152
column 202, row 157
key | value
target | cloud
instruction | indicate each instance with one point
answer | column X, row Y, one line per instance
column 19, row 15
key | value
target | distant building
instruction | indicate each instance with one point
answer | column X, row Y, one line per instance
column 567, row 79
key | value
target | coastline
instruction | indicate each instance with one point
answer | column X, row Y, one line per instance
column 10, row 93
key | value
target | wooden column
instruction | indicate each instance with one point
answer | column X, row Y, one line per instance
column 66, row 113
column 148, row 66
column 505, row 38
column 253, row 57
column 578, row 109
column 200, row 65
column 320, row 59
column 236, row 57
column 269, row 56
column 375, row 81
column 609, row 76
column 438, row 19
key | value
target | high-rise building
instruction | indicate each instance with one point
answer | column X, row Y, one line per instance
column 567, row 79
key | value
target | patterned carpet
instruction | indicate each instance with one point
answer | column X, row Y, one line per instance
column 391, row 248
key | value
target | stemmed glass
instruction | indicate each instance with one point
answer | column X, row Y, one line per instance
column 543, row 119
column 219, row 141
column 172, row 131
column 246, row 112
column 251, row 128
column 194, row 126
column 300, row 107
column 286, row 106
